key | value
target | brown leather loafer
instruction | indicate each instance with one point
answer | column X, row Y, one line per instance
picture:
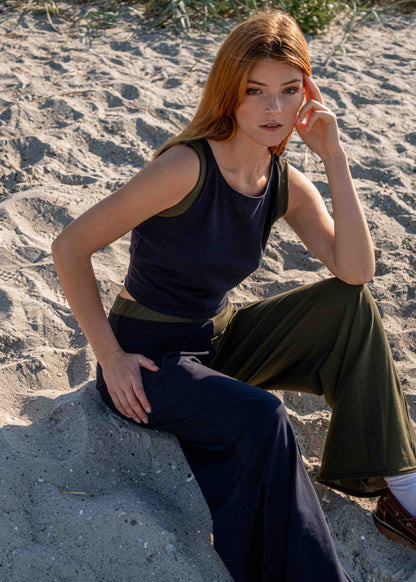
column 394, row 521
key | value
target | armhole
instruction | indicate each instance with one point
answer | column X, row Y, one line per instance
column 182, row 206
column 283, row 191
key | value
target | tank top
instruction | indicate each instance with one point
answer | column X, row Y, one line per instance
column 185, row 260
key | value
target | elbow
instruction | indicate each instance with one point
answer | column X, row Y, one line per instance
column 67, row 253
column 356, row 280
column 358, row 277
column 57, row 248
column 64, row 250
column 358, row 273
column 55, row 245
column 369, row 276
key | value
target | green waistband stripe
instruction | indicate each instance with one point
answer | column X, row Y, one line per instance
column 135, row 310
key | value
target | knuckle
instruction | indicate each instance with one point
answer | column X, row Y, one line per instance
column 132, row 400
column 138, row 389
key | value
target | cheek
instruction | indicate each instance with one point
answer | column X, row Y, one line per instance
column 243, row 112
column 296, row 106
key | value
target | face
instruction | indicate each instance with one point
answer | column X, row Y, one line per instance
column 274, row 95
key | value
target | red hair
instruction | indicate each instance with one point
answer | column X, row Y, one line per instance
column 272, row 34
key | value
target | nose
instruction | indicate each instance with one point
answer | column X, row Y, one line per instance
column 272, row 103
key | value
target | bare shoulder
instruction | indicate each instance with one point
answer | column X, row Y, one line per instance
column 180, row 160
column 178, row 167
column 163, row 183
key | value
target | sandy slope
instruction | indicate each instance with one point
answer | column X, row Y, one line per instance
column 84, row 496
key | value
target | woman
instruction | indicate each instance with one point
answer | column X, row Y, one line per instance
column 175, row 355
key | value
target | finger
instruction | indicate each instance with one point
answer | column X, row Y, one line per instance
column 138, row 385
column 148, row 364
column 308, row 109
column 131, row 404
column 140, row 394
column 117, row 403
column 324, row 116
column 126, row 403
column 311, row 89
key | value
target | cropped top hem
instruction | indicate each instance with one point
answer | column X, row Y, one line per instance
column 175, row 313
column 134, row 310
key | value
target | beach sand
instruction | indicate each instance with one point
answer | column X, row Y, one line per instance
column 86, row 496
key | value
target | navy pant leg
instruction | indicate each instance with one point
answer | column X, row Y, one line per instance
column 267, row 521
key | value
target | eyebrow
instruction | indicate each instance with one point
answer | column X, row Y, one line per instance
column 253, row 82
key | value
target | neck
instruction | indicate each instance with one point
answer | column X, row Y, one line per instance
column 247, row 165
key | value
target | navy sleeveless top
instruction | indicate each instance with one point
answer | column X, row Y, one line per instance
column 184, row 264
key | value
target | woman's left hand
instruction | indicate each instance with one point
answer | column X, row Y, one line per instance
column 316, row 124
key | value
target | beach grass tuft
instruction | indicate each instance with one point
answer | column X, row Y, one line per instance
column 313, row 16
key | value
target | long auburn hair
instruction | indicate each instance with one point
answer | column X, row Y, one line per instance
column 269, row 34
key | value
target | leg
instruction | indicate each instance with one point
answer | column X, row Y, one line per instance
column 243, row 453
column 328, row 339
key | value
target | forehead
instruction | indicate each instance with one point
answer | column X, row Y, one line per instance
column 267, row 70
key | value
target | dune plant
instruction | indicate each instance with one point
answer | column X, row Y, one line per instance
column 313, row 16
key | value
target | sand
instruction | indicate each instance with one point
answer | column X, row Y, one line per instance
column 84, row 495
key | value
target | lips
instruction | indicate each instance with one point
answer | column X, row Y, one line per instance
column 271, row 126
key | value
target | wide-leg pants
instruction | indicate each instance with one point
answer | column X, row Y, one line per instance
column 324, row 338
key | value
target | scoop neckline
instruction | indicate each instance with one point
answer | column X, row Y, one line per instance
column 250, row 197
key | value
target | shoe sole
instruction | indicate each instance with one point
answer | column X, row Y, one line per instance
column 391, row 533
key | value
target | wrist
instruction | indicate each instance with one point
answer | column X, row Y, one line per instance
column 335, row 157
column 104, row 358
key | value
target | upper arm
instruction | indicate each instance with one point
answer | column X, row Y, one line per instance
column 161, row 184
column 309, row 218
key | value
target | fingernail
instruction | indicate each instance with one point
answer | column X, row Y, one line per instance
column 148, row 409
column 145, row 420
column 137, row 420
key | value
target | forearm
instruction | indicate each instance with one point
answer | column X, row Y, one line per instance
column 353, row 247
column 80, row 287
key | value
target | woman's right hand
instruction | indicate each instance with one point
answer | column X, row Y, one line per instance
column 123, row 378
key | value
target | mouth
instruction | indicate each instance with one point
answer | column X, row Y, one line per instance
column 271, row 126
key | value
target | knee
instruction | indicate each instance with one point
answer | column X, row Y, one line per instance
column 338, row 292
column 357, row 295
column 358, row 302
column 269, row 429
column 345, row 289
column 267, row 410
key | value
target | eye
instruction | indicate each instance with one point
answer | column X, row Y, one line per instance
column 252, row 91
column 291, row 90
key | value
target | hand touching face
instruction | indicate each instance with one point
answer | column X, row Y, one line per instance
column 316, row 124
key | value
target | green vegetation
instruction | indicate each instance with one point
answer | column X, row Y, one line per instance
column 313, row 16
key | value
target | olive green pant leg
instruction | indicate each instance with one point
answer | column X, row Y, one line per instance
column 328, row 338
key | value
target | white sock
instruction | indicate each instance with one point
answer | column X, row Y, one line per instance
column 403, row 488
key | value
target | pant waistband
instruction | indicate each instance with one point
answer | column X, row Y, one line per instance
column 135, row 310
